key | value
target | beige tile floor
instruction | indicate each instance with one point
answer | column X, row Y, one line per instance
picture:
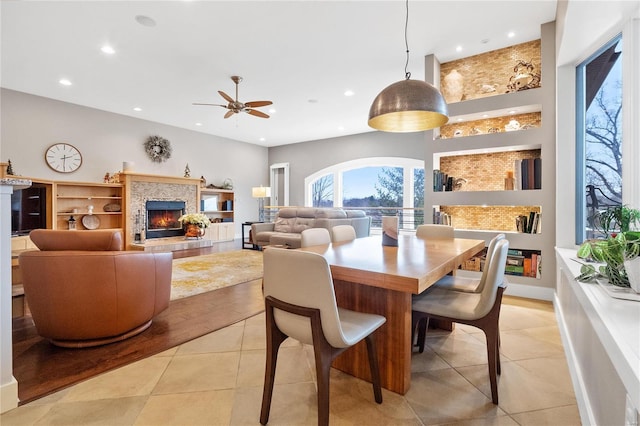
column 217, row 380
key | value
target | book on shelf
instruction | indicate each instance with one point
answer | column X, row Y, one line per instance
column 528, row 173
column 529, row 224
column 440, row 218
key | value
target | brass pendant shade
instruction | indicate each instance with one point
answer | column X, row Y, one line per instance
column 408, row 106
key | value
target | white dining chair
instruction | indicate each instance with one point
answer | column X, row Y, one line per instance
column 468, row 284
column 434, row 231
column 300, row 303
column 343, row 233
column 314, row 237
column 481, row 310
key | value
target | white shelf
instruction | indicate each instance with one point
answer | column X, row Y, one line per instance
column 489, row 142
column 529, row 197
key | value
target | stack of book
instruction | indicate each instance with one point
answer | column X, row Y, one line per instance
column 524, row 263
column 531, row 224
column 528, row 173
column 440, row 218
column 442, row 181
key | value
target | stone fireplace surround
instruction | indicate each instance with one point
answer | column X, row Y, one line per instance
column 140, row 188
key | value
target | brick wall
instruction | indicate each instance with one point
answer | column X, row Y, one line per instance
column 491, row 218
column 484, row 172
column 492, row 69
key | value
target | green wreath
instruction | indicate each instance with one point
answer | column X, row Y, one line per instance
column 158, row 148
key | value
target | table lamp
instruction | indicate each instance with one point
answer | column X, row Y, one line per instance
column 260, row 192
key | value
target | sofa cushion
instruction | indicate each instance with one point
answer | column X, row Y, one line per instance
column 355, row 213
column 331, row 214
column 287, row 213
column 303, row 223
column 284, row 224
column 307, row 212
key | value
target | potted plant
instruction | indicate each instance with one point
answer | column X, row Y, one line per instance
column 194, row 224
column 619, row 251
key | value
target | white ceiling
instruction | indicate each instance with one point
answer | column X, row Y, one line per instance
column 302, row 55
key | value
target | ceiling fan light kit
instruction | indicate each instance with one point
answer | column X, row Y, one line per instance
column 235, row 107
column 408, row 105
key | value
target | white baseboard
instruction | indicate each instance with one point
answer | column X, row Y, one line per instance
column 9, row 395
column 530, row 291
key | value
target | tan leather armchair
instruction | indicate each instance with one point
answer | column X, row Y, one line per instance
column 84, row 290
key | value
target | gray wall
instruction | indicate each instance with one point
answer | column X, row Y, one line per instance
column 307, row 158
column 31, row 123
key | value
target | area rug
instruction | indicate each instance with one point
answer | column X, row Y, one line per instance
column 199, row 274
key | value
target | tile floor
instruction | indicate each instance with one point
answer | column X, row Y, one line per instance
column 217, row 380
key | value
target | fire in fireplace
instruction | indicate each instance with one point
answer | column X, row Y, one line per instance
column 162, row 218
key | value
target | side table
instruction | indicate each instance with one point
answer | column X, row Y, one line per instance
column 246, row 240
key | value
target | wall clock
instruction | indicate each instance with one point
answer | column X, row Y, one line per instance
column 63, row 157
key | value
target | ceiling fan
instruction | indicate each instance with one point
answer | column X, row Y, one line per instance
column 235, row 106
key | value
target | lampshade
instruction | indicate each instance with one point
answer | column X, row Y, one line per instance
column 260, row 192
column 408, row 106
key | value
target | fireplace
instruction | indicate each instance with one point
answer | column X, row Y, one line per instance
column 162, row 218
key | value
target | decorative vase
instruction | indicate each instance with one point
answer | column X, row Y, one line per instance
column 193, row 231
column 633, row 273
column 453, row 87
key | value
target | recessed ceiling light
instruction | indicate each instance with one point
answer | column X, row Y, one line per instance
column 313, row 101
column 107, row 49
column 341, row 128
column 137, row 109
column 65, row 82
column 262, row 139
column 145, row 20
column 349, row 93
column 512, row 112
column 272, row 111
column 458, row 48
column 198, row 124
column 485, row 115
column 484, row 41
column 511, row 34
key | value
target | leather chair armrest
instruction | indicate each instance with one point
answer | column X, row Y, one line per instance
column 261, row 227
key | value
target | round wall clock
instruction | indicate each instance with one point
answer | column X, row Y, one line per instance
column 63, row 157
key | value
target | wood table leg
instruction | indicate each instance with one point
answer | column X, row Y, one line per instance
column 393, row 339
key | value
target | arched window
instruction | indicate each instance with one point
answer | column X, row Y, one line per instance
column 369, row 183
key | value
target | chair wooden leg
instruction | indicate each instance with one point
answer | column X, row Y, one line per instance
column 492, row 359
column 275, row 337
column 323, row 356
column 375, row 370
column 423, row 325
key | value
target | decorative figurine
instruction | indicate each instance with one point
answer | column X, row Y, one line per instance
column 107, row 178
column 9, row 168
column 187, row 171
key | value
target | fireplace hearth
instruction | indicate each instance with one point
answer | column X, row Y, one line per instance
column 162, row 219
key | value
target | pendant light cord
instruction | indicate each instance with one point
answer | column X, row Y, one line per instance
column 407, row 74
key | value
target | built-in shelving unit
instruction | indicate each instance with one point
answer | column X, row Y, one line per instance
column 488, row 131
column 80, row 199
column 218, row 205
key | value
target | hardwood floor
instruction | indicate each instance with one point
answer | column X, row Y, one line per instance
column 42, row 368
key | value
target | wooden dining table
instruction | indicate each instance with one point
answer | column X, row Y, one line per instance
column 370, row 277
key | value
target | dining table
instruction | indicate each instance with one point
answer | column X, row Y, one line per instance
column 375, row 278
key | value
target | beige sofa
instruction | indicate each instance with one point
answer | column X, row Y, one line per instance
column 290, row 222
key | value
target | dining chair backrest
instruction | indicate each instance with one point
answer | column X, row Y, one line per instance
column 491, row 248
column 495, row 277
column 304, row 279
column 343, row 233
column 314, row 237
column 434, row 231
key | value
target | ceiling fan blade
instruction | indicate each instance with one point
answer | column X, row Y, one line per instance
column 257, row 113
column 228, row 114
column 223, row 106
column 255, row 104
column 225, row 96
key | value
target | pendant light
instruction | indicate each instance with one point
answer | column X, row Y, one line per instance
column 408, row 105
